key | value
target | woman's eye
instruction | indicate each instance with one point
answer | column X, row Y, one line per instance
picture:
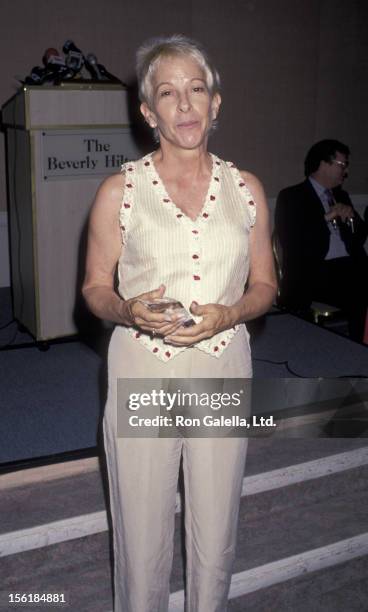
column 198, row 89
column 165, row 93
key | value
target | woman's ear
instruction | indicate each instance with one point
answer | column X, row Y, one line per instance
column 148, row 115
column 215, row 105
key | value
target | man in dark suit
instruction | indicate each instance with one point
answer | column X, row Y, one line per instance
column 322, row 239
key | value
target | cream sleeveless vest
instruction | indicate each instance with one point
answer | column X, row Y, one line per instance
column 205, row 260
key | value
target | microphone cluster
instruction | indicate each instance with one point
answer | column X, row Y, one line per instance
column 72, row 65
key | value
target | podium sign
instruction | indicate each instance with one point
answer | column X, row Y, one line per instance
column 76, row 153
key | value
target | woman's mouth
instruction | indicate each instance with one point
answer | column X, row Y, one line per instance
column 187, row 124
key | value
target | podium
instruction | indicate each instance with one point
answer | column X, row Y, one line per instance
column 61, row 142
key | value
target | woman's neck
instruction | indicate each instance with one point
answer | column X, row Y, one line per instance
column 183, row 162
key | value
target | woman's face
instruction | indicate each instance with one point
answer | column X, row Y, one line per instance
column 182, row 108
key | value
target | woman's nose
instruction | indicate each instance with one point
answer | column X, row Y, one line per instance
column 184, row 103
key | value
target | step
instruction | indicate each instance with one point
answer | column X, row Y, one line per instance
column 291, row 520
column 338, row 588
column 81, row 570
column 74, row 506
column 277, row 546
column 78, row 568
column 287, row 521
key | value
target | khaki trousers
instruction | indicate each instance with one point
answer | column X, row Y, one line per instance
column 143, row 476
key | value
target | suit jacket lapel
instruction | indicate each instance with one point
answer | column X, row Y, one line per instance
column 313, row 197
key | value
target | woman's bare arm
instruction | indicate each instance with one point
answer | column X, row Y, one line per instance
column 262, row 285
column 103, row 252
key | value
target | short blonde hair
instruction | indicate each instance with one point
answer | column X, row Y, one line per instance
column 152, row 51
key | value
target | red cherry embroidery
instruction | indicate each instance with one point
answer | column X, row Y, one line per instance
column 215, row 348
column 195, row 232
column 130, row 169
column 126, row 205
column 138, row 335
column 251, row 203
column 122, row 227
column 129, row 185
column 217, row 179
column 179, row 216
column 195, row 256
column 217, row 163
column 241, row 184
column 205, row 215
column 168, row 354
column 155, row 182
column 223, row 342
column 147, row 163
column 155, row 350
column 166, row 200
column 212, row 197
column 196, row 277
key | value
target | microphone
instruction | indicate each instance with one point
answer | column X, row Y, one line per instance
column 56, row 68
column 74, row 57
column 93, row 67
column 98, row 71
column 52, row 59
column 39, row 76
column 36, row 77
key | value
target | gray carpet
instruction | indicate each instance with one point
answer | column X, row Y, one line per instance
column 51, row 402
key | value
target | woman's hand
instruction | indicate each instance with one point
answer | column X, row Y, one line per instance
column 216, row 318
column 138, row 315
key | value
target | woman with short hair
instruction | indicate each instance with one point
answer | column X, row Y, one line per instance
column 179, row 222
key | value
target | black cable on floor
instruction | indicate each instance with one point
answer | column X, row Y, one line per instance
column 289, row 369
column 7, row 324
column 8, row 344
column 284, row 363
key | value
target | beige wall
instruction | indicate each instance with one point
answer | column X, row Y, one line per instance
column 293, row 71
